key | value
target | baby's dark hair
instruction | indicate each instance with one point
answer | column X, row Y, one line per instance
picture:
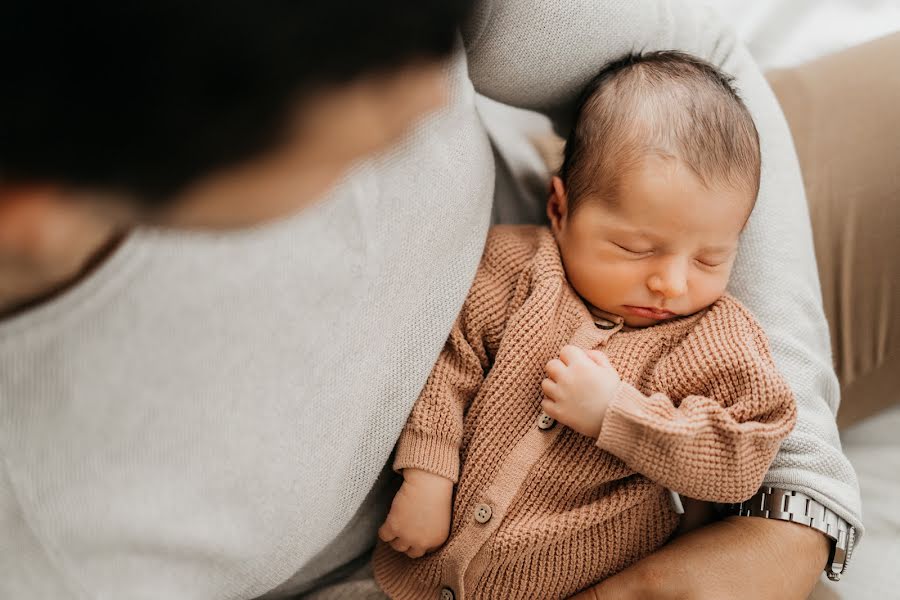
column 667, row 104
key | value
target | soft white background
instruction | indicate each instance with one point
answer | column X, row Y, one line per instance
column 783, row 33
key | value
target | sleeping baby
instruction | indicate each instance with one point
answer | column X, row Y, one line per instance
column 598, row 363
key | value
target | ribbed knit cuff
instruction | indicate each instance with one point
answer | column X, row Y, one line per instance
column 621, row 433
column 416, row 450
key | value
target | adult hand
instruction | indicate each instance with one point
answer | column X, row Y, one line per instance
column 739, row 558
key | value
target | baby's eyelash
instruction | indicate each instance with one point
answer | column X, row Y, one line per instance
column 632, row 251
column 709, row 264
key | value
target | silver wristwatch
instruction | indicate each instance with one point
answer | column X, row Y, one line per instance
column 796, row 507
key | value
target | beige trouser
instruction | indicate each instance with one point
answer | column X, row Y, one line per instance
column 844, row 113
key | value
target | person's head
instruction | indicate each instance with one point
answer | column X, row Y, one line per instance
column 209, row 114
column 659, row 177
column 193, row 113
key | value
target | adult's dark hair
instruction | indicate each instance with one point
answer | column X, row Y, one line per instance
column 145, row 96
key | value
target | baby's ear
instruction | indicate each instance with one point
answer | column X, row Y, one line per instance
column 557, row 204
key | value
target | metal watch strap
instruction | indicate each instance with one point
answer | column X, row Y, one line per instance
column 796, row 507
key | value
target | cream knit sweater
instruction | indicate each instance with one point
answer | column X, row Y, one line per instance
column 701, row 410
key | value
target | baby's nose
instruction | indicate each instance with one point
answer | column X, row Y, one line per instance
column 669, row 281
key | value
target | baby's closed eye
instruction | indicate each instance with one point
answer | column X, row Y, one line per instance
column 633, row 248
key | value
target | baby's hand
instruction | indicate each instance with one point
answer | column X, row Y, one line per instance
column 579, row 387
column 419, row 520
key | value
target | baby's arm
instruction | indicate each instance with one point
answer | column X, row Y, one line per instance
column 718, row 441
column 427, row 452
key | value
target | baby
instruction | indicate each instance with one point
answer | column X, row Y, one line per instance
column 598, row 363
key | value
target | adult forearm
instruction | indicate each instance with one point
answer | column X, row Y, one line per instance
column 765, row 560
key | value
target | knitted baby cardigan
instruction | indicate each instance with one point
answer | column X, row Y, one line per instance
column 541, row 511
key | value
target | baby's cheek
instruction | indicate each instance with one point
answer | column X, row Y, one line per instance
column 608, row 282
column 708, row 288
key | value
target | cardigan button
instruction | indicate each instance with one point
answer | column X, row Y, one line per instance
column 545, row 422
column 483, row 513
column 447, row 594
column 605, row 324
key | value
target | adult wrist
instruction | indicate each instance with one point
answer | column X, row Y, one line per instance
column 821, row 523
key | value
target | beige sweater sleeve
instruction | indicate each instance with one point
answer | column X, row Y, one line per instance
column 716, row 417
column 431, row 438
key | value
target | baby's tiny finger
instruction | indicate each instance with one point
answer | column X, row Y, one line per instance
column 555, row 369
column 415, row 552
column 551, row 408
column 386, row 533
column 399, row 545
column 569, row 354
column 550, row 388
column 600, row 358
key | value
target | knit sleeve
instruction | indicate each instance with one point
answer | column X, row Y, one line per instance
column 716, row 417
column 431, row 438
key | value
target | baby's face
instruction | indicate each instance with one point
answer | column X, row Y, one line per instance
column 664, row 250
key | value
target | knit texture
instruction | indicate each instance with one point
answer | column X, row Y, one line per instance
column 701, row 410
column 205, row 416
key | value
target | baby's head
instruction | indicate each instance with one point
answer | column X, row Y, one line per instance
column 661, row 172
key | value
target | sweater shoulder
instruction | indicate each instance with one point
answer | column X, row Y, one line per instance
column 726, row 348
column 726, row 332
column 728, row 316
column 510, row 249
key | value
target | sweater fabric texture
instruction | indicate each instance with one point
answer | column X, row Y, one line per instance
column 206, row 416
column 541, row 511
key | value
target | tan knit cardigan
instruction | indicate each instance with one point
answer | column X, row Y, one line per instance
column 539, row 510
